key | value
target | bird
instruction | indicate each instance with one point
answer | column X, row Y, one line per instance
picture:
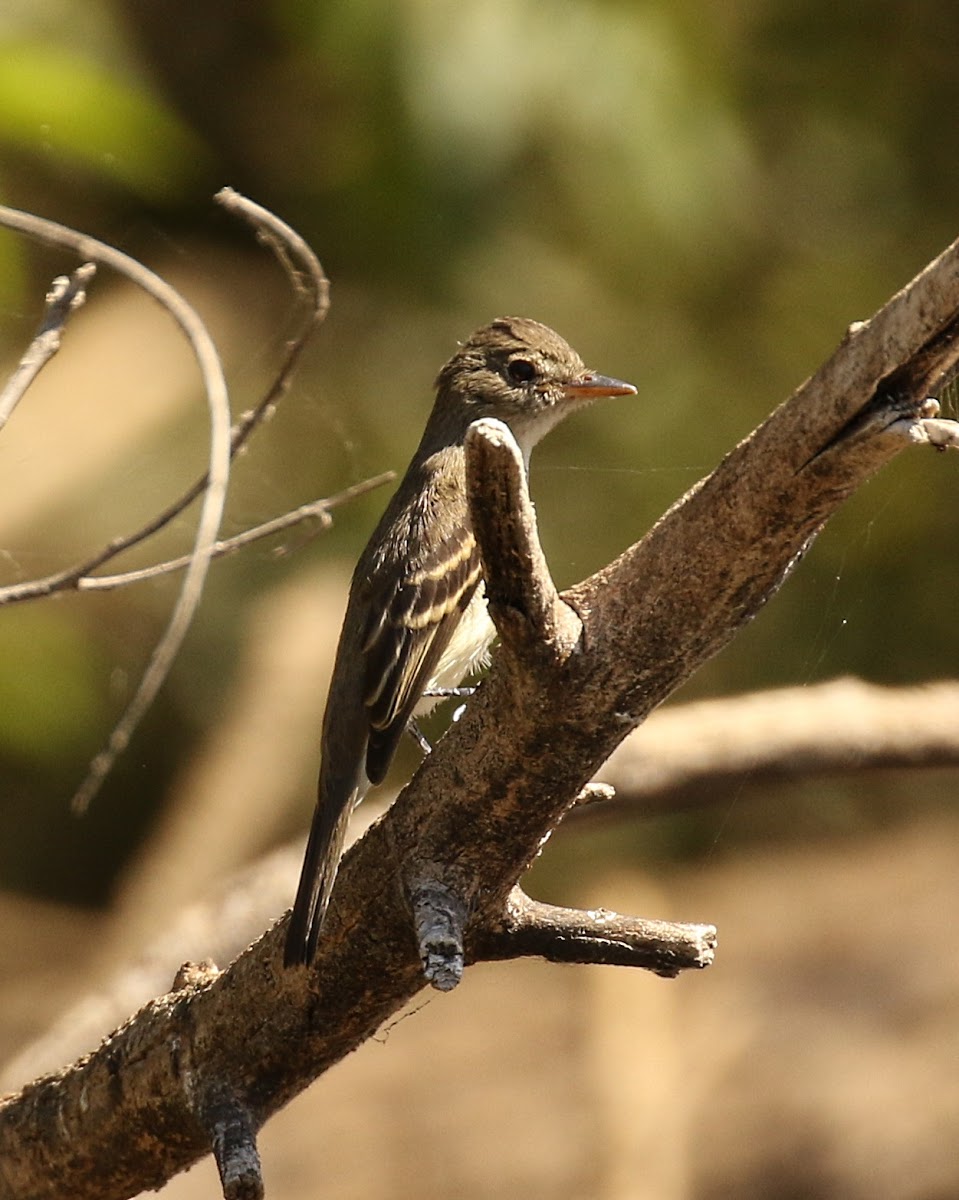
column 416, row 621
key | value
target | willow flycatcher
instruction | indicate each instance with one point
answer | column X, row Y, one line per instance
column 416, row 621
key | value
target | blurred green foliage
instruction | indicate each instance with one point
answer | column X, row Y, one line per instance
column 45, row 692
column 110, row 125
column 700, row 197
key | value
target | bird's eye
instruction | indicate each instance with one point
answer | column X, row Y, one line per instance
column 521, row 370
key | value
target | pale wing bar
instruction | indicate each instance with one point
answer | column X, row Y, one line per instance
column 407, row 639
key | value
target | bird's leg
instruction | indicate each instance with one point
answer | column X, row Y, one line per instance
column 439, row 693
column 418, row 736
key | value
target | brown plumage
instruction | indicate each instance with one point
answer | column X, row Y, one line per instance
column 416, row 620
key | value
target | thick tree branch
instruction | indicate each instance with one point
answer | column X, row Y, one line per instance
column 683, row 755
column 481, row 804
column 690, row 754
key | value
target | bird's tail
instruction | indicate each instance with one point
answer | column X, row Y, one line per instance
column 323, row 850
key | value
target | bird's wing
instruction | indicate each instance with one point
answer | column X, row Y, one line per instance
column 406, row 637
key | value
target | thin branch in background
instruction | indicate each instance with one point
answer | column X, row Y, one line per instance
column 689, row 755
column 316, row 510
column 218, row 472
column 67, row 293
column 309, row 281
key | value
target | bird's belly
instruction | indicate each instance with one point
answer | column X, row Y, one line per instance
column 467, row 650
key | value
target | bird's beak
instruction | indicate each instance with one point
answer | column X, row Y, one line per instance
column 590, row 386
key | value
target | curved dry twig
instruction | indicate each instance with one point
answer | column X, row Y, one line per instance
column 309, row 280
column 214, row 499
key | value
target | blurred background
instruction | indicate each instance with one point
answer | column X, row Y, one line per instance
column 701, row 198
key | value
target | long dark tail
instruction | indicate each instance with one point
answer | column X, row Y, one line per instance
column 323, row 850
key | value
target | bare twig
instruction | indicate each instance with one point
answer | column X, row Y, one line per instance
column 439, row 922
column 67, row 293
column 218, row 473
column 232, row 1134
column 930, row 430
column 316, row 510
column 226, row 1120
column 530, row 928
column 309, row 280
column 307, row 277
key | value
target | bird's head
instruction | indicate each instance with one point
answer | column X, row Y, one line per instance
column 524, row 374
